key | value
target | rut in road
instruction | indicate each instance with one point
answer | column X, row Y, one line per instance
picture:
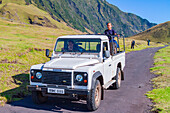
column 129, row 98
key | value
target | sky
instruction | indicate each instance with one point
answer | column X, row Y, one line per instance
column 155, row 11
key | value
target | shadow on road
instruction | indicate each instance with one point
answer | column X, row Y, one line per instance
column 53, row 104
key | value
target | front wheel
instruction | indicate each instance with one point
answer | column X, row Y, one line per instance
column 94, row 98
column 38, row 98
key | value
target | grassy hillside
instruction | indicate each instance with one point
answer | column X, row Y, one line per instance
column 21, row 46
column 93, row 14
column 161, row 94
column 28, row 14
column 20, row 2
column 158, row 33
column 139, row 45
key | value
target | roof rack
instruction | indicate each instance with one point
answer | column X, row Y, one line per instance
column 118, row 37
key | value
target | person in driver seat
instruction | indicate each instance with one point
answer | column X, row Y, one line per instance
column 71, row 46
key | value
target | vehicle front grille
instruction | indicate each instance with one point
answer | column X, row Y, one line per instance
column 57, row 78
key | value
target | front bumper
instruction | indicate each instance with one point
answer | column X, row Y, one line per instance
column 69, row 93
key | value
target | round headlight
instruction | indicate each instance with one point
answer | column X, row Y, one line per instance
column 38, row 75
column 79, row 78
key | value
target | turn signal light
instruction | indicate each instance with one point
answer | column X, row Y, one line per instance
column 32, row 77
column 85, row 81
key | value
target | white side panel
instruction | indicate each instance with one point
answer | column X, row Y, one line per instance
column 119, row 58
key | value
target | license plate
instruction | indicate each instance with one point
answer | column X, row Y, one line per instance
column 55, row 90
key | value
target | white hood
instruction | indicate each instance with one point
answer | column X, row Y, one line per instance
column 69, row 63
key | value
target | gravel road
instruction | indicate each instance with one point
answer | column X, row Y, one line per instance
column 130, row 98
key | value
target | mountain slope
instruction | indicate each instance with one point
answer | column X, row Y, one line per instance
column 20, row 2
column 158, row 33
column 93, row 14
column 28, row 14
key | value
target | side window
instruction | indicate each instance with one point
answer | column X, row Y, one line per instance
column 60, row 46
column 105, row 47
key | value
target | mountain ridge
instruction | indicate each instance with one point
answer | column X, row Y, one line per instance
column 94, row 15
column 158, row 33
column 29, row 14
column 85, row 15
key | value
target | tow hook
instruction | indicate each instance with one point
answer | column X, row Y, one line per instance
column 38, row 88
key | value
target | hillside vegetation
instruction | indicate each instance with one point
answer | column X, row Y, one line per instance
column 21, row 46
column 139, row 45
column 158, row 33
column 28, row 14
column 20, row 2
column 92, row 15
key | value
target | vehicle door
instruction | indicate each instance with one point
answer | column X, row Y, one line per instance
column 106, row 63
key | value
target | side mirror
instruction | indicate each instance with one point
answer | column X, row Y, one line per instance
column 107, row 54
column 47, row 53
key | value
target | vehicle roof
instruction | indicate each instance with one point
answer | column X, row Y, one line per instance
column 102, row 37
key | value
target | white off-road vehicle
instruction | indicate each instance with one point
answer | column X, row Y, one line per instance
column 81, row 67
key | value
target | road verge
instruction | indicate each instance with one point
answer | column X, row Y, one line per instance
column 160, row 95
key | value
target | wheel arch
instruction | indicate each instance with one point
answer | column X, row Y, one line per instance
column 98, row 76
column 122, row 73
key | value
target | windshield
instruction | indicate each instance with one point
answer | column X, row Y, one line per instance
column 78, row 45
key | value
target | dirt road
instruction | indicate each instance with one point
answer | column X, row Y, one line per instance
column 129, row 98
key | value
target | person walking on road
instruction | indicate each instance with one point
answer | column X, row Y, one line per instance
column 148, row 41
column 132, row 44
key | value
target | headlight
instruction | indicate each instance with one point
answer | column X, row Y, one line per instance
column 79, row 78
column 38, row 75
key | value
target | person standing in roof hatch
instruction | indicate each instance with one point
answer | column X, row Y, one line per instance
column 110, row 31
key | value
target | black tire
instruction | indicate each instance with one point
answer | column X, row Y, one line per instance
column 117, row 84
column 94, row 98
column 122, row 77
column 38, row 98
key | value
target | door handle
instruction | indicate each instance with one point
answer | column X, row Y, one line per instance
column 110, row 65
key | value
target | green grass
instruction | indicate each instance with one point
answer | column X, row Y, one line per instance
column 20, row 2
column 139, row 45
column 24, row 13
column 161, row 97
column 161, row 94
column 22, row 46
